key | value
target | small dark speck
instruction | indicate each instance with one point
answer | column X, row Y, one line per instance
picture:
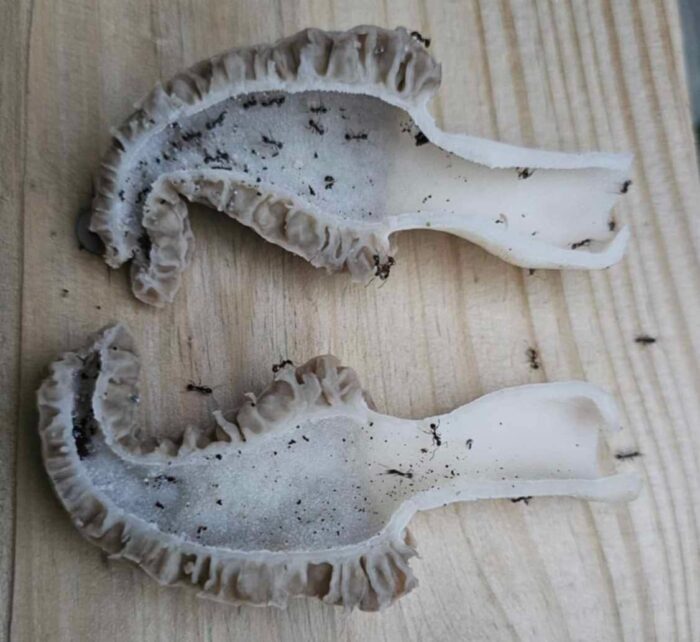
column 219, row 502
column 64, row 292
column 525, row 172
column 645, row 339
column 159, row 505
column 525, row 500
column 311, row 191
column 188, row 136
column 470, row 443
column 219, row 456
column 421, row 139
column 360, row 136
column 625, row 187
column 612, row 224
column 277, row 100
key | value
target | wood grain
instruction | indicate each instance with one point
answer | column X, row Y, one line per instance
column 452, row 322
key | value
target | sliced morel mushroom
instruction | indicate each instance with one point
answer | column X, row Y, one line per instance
column 323, row 144
column 306, row 491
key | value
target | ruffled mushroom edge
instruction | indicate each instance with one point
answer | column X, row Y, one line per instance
column 370, row 575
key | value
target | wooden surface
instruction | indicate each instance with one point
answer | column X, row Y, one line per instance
column 451, row 324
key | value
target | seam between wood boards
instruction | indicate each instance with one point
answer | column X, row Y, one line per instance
column 20, row 302
column 672, row 26
column 673, row 61
column 664, row 128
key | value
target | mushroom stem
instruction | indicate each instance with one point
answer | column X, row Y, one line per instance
column 541, row 439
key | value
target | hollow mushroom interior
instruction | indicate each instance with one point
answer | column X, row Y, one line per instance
column 360, row 159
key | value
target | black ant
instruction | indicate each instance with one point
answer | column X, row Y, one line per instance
column 278, row 366
column 400, row 473
column 202, row 390
column 629, row 455
column 382, row 270
column 315, row 126
column 437, row 439
column 532, row 358
column 420, row 38
column 578, row 244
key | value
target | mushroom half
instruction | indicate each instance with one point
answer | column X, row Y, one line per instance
column 307, row 490
column 323, row 144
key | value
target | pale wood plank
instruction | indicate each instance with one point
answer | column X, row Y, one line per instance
column 451, row 323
